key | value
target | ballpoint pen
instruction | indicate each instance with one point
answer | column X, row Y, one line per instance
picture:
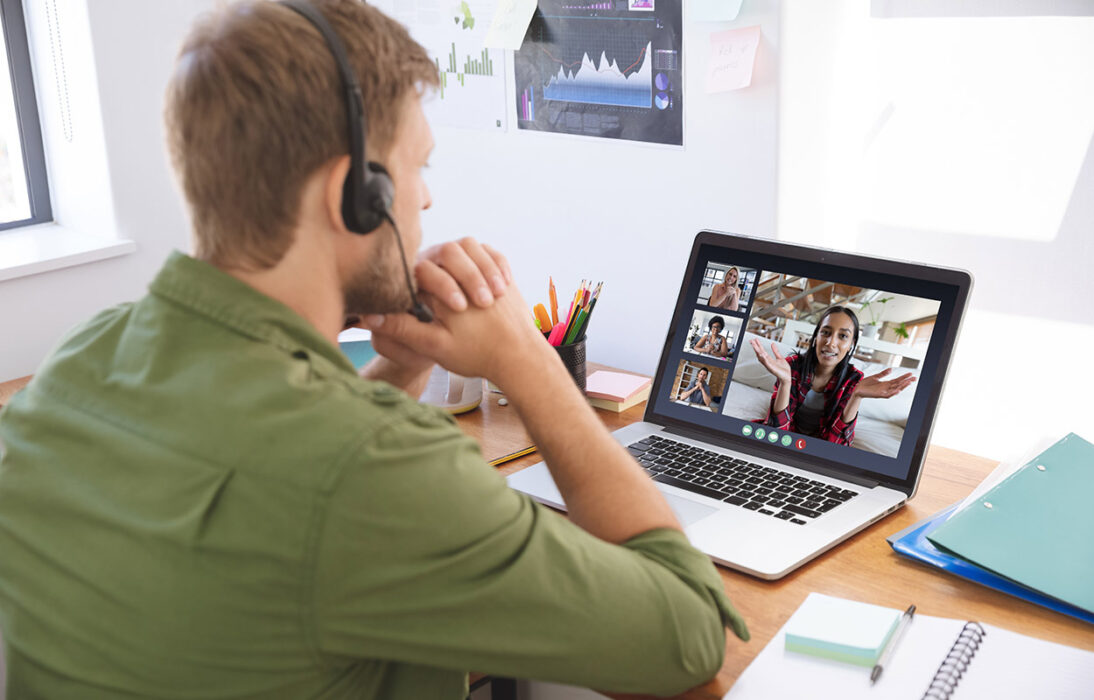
column 905, row 620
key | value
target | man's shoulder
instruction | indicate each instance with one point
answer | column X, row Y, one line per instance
column 183, row 386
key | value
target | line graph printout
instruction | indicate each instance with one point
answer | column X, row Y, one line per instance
column 603, row 68
column 453, row 32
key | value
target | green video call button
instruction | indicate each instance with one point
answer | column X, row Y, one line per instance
column 746, row 430
column 772, row 436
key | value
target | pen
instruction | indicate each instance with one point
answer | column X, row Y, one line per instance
column 893, row 641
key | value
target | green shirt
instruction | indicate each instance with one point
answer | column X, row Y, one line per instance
column 199, row 498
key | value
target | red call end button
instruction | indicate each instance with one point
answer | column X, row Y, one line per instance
column 800, row 444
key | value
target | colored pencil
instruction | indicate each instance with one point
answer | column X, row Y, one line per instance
column 513, row 455
column 554, row 301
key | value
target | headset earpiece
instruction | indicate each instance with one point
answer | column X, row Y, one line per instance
column 369, row 190
column 366, row 201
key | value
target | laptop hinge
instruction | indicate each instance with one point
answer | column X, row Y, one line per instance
column 823, row 471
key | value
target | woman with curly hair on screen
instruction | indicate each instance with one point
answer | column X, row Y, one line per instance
column 818, row 392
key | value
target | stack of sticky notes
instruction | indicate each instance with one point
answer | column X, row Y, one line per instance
column 616, row 391
column 842, row 630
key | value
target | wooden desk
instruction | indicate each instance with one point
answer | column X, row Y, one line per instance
column 862, row 568
column 8, row 389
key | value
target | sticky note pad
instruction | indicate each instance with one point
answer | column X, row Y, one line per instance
column 842, row 630
column 614, row 386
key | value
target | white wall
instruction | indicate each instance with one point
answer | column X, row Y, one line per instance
column 109, row 168
column 965, row 142
column 631, row 210
column 792, row 137
column 620, row 212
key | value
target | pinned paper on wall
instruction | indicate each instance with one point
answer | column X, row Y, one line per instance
column 471, row 94
column 714, row 10
column 510, row 23
column 732, row 58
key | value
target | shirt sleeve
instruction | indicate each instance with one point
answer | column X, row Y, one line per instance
column 427, row 557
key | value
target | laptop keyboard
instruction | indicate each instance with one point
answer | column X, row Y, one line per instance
column 766, row 490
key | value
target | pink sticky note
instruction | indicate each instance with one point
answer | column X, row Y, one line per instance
column 614, row 386
column 732, row 57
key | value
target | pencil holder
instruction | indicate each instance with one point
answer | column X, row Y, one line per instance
column 573, row 356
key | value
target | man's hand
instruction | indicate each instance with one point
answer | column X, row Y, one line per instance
column 456, row 271
column 449, row 274
column 498, row 342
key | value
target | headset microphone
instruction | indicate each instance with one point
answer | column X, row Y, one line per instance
column 419, row 310
column 369, row 191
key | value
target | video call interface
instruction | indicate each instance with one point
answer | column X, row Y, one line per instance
column 853, row 356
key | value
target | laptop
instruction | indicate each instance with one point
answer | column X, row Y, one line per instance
column 763, row 481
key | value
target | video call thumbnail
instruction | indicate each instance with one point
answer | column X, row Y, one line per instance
column 727, row 287
column 699, row 385
column 871, row 345
column 713, row 335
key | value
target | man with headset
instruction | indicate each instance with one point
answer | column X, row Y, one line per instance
column 199, row 496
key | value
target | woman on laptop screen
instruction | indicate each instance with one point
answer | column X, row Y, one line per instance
column 713, row 343
column 818, row 392
column 727, row 295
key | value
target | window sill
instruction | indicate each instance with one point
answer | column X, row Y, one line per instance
column 34, row 249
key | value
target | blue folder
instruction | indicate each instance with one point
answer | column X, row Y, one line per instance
column 912, row 542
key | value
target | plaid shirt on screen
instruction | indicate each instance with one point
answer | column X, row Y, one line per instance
column 832, row 429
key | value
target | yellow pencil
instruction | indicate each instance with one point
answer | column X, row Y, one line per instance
column 514, row 455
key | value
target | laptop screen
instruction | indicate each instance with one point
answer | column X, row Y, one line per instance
column 809, row 357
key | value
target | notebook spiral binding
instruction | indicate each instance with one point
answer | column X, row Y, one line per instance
column 956, row 662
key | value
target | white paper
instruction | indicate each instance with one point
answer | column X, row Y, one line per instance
column 1007, row 666
column 714, row 10
column 1001, row 472
column 453, row 33
column 510, row 23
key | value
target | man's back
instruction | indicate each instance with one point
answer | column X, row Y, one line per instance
column 200, row 498
column 158, row 498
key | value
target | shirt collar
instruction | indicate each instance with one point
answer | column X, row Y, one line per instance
column 215, row 294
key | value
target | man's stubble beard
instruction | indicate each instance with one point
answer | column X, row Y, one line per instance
column 380, row 286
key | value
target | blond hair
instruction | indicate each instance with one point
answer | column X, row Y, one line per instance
column 256, row 106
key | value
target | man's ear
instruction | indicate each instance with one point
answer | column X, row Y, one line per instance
column 333, row 191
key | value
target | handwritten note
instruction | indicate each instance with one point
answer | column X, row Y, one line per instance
column 732, row 58
column 510, row 23
column 714, row 10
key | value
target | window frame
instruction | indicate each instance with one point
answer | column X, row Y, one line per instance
column 26, row 114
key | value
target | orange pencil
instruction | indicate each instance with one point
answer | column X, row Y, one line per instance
column 554, row 302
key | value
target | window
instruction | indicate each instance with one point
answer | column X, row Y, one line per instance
column 24, row 190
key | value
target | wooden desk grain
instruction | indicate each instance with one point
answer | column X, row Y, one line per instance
column 863, row 568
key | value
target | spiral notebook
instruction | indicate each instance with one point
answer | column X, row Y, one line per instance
column 938, row 657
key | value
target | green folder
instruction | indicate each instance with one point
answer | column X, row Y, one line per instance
column 1035, row 527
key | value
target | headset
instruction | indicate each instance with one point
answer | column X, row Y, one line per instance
column 369, row 190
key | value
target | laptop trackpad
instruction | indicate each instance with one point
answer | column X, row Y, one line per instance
column 687, row 512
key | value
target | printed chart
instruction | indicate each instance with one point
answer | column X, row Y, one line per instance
column 603, row 68
column 472, row 92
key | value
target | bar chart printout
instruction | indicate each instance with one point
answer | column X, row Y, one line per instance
column 472, row 78
column 603, row 68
